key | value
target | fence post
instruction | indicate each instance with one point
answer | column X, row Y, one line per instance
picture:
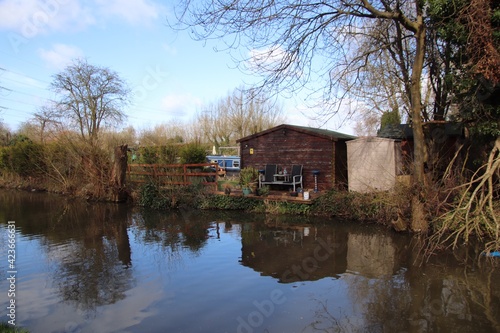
column 216, row 176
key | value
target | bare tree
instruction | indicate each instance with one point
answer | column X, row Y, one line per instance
column 46, row 117
column 214, row 123
column 305, row 43
column 163, row 134
column 251, row 113
column 5, row 134
column 90, row 97
column 237, row 115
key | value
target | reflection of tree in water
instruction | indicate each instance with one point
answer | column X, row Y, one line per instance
column 460, row 297
column 328, row 322
column 443, row 296
column 435, row 297
column 93, row 267
column 173, row 230
column 92, row 276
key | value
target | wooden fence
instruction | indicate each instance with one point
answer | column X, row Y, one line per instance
column 174, row 174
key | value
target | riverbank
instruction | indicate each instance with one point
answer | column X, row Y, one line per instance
column 381, row 208
column 384, row 208
column 390, row 209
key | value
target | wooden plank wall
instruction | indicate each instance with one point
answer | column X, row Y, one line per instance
column 289, row 147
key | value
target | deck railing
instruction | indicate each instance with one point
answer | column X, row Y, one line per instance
column 174, row 174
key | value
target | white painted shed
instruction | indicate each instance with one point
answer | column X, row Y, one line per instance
column 373, row 163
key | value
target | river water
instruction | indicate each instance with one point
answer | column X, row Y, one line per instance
column 83, row 267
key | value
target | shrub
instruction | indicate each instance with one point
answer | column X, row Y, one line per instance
column 23, row 157
column 151, row 197
column 161, row 198
column 192, row 154
column 166, row 154
column 215, row 201
column 283, row 207
column 370, row 207
column 148, row 155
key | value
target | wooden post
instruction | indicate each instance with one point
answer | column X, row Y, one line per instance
column 119, row 174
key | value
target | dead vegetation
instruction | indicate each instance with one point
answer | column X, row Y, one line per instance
column 471, row 209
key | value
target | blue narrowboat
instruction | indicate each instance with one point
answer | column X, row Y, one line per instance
column 226, row 162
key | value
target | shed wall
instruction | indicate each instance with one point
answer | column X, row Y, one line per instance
column 288, row 147
column 372, row 164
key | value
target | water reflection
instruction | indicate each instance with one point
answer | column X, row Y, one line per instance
column 293, row 253
column 377, row 268
column 178, row 228
column 89, row 249
column 125, row 269
column 94, row 268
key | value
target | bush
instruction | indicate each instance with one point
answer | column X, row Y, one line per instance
column 192, row 154
column 63, row 165
column 151, row 197
column 215, row 201
column 368, row 207
column 157, row 154
column 154, row 197
column 283, row 207
column 23, row 157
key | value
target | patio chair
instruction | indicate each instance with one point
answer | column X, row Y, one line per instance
column 269, row 171
column 295, row 176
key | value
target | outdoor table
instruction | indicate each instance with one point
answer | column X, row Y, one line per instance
column 281, row 177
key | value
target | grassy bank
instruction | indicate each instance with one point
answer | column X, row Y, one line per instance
column 380, row 208
column 390, row 209
column 7, row 328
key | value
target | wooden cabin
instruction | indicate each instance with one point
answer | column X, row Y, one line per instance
column 315, row 149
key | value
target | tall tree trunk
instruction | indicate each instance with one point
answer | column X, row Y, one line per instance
column 419, row 221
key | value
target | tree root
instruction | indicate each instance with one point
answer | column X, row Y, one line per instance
column 474, row 213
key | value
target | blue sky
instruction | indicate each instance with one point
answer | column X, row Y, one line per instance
column 172, row 76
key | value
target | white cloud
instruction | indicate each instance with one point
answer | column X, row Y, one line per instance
column 180, row 105
column 132, row 11
column 60, row 55
column 31, row 18
column 315, row 116
column 265, row 59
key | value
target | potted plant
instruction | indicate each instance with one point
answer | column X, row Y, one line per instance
column 248, row 177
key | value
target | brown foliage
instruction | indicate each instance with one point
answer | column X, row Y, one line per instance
column 484, row 56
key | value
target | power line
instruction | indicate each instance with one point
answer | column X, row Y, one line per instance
column 19, row 102
column 26, row 94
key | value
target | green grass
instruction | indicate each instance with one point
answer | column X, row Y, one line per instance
column 229, row 182
column 7, row 328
